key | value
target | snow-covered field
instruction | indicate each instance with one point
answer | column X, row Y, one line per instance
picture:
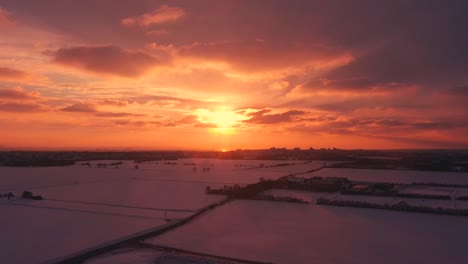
column 433, row 203
column 453, row 192
column 127, row 256
column 310, row 197
column 365, row 198
column 145, row 256
column 137, row 193
column 427, row 190
column 448, row 204
column 308, row 233
column 86, row 206
column 34, row 234
column 221, row 171
column 394, row 176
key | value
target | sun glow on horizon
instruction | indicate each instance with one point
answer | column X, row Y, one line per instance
column 223, row 120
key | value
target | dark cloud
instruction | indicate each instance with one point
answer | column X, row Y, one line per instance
column 380, row 127
column 352, row 84
column 393, row 41
column 113, row 102
column 189, row 119
column 262, row 117
column 391, row 123
column 185, row 120
column 130, row 123
column 438, row 125
column 18, row 94
column 458, row 91
column 22, row 107
column 5, row 18
column 107, row 60
column 346, row 84
column 89, row 108
column 348, row 105
column 81, row 108
column 396, row 42
column 205, row 125
column 11, row 74
column 117, row 114
column 260, row 55
column 397, row 102
column 164, row 14
column 183, row 102
column 170, row 124
column 193, row 120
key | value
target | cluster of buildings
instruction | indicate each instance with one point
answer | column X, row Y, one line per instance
column 320, row 183
column 341, row 184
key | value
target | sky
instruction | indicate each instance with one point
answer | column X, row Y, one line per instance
column 233, row 74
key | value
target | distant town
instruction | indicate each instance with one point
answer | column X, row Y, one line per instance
column 425, row 160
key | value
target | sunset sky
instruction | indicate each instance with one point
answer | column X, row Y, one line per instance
column 212, row 75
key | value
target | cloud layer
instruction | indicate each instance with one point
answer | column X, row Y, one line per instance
column 237, row 74
column 12, row 74
column 111, row 60
column 161, row 15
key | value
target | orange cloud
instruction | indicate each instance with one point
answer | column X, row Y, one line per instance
column 18, row 94
column 89, row 108
column 118, row 114
column 22, row 107
column 162, row 15
column 205, row 125
column 254, row 55
column 11, row 74
column 117, row 103
column 457, row 91
column 157, row 33
column 130, row 123
column 193, row 120
column 5, row 18
column 80, row 108
column 111, row 60
column 189, row 119
column 261, row 117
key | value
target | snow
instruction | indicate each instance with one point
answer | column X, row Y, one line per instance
column 171, row 258
column 105, row 209
column 87, row 206
column 308, row 233
column 427, row 190
column 145, row 256
column 394, row 176
column 433, row 203
column 365, row 198
column 221, row 171
column 39, row 234
column 453, row 192
column 19, row 179
column 449, row 204
column 127, row 256
column 131, row 192
column 310, row 197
